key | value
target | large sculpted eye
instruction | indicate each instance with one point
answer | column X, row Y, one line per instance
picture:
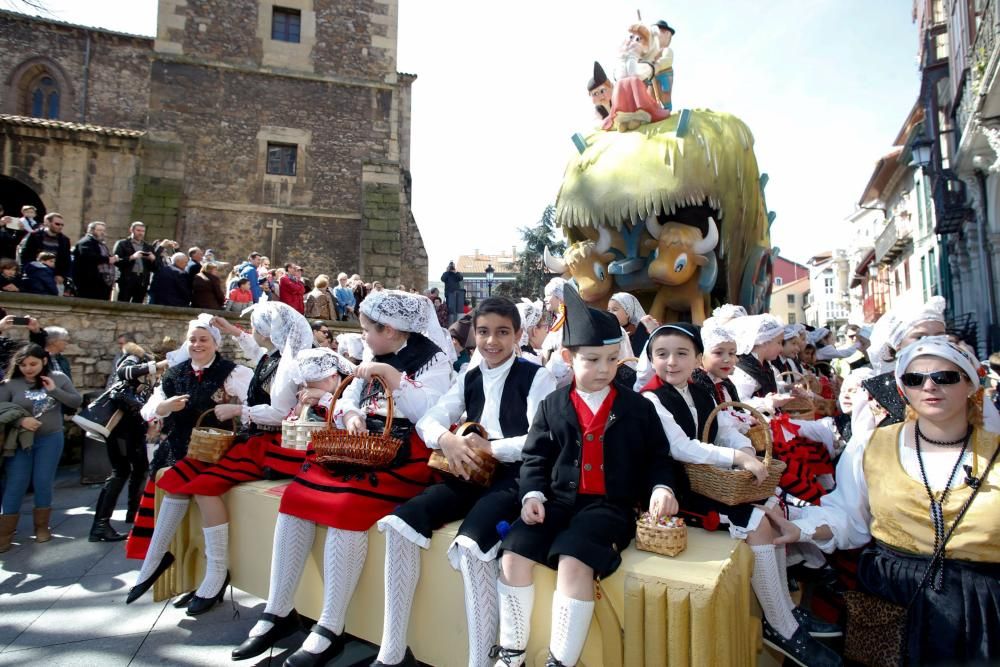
column 599, row 271
column 681, row 262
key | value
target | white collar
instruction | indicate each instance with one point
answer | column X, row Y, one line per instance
column 201, row 368
column 591, row 396
column 499, row 370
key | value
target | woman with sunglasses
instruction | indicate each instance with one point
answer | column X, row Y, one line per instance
column 911, row 489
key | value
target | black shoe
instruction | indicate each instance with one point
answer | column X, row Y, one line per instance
column 800, row 648
column 816, row 627
column 509, row 656
column 136, row 592
column 303, row 658
column 552, row 662
column 407, row 661
column 200, row 605
column 184, row 600
column 102, row 531
column 283, row 627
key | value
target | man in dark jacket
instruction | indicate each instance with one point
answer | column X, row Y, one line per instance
column 195, row 257
column 206, row 288
column 172, row 287
column 49, row 238
column 93, row 264
column 136, row 262
column 39, row 276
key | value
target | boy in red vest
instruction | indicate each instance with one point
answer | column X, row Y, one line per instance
column 595, row 455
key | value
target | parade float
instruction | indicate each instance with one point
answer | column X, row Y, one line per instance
column 667, row 206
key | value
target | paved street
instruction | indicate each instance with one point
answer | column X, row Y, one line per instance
column 63, row 602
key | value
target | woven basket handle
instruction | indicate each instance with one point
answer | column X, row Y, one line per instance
column 743, row 406
column 197, row 424
column 390, row 407
column 627, row 359
column 792, row 374
column 473, row 427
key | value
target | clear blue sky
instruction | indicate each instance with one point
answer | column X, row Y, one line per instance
column 824, row 84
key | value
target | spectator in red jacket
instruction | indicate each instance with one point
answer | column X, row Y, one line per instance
column 291, row 289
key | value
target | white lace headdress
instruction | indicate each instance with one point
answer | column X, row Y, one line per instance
column 405, row 312
column 630, row 305
column 320, row 362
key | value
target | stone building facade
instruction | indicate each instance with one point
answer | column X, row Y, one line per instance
column 280, row 126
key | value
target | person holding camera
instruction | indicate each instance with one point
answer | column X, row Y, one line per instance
column 32, row 384
column 9, row 324
column 136, row 262
column 134, row 376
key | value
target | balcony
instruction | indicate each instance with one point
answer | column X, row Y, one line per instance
column 980, row 72
column 950, row 206
column 893, row 241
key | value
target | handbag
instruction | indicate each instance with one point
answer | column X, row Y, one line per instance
column 876, row 628
column 100, row 416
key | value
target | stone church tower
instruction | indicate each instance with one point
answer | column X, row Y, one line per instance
column 280, row 126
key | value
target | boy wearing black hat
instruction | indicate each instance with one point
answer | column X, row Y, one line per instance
column 586, row 472
column 502, row 393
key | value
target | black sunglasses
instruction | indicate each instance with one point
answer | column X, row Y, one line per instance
column 937, row 377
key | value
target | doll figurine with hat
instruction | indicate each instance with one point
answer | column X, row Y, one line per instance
column 632, row 105
column 600, row 89
column 663, row 67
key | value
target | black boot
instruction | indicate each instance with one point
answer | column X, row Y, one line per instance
column 101, row 530
column 136, row 483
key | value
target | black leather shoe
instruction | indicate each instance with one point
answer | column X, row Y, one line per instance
column 136, row 592
column 184, row 600
column 509, row 656
column 200, row 605
column 303, row 658
column 103, row 532
column 552, row 662
column 407, row 661
column 283, row 627
column 816, row 627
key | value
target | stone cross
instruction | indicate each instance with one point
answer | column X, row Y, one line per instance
column 274, row 226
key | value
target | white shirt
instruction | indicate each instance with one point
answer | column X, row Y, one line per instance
column 412, row 400
column 283, row 399
column 450, row 408
column 237, row 384
column 692, row 450
column 828, row 352
column 746, row 386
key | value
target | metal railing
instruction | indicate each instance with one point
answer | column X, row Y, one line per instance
column 978, row 59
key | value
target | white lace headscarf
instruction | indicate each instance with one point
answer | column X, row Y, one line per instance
column 816, row 335
column 351, row 344
column 754, row 330
column 405, row 312
column 631, row 306
column 891, row 329
column 713, row 334
column 203, row 321
column 531, row 315
column 728, row 312
column 318, row 363
column 290, row 333
column 793, row 330
column 555, row 287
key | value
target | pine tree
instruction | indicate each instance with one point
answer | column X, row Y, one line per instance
column 532, row 275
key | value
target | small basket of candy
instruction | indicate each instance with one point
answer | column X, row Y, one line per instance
column 666, row 536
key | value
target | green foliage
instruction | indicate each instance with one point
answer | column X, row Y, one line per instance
column 532, row 275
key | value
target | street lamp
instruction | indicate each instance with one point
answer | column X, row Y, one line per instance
column 489, row 279
column 921, row 150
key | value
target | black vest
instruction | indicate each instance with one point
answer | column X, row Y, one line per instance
column 413, row 359
column 513, row 401
column 259, row 392
column 704, row 380
column 704, row 403
column 181, row 379
column 761, row 373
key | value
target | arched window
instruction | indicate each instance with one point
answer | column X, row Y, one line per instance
column 45, row 98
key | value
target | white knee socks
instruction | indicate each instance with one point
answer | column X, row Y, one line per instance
column 343, row 559
column 771, row 592
column 481, row 606
column 172, row 511
column 402, row 570
column 217, row 555
column 516, row 603
column 570, row 623
column 293, row 538
column 781, row 559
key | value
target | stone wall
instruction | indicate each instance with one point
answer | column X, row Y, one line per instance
column 84, row 173
column 94, row 326
column 111, row 88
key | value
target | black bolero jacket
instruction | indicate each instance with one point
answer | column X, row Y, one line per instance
column 636, row 452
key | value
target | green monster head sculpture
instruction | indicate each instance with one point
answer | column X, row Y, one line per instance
column 696, row 169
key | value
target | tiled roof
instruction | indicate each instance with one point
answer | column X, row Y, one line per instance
column 28, row 121
column 478, row 263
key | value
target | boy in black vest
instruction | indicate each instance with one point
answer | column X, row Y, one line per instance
column 502, row 394
column 595, row 455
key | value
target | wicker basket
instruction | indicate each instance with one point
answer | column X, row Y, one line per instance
column 663, row 540
column 339, row 447
column 297, row 433
column 735, row 487
column 483, row 476
column 209, row 444
column 798, row 407
column 626, row 360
